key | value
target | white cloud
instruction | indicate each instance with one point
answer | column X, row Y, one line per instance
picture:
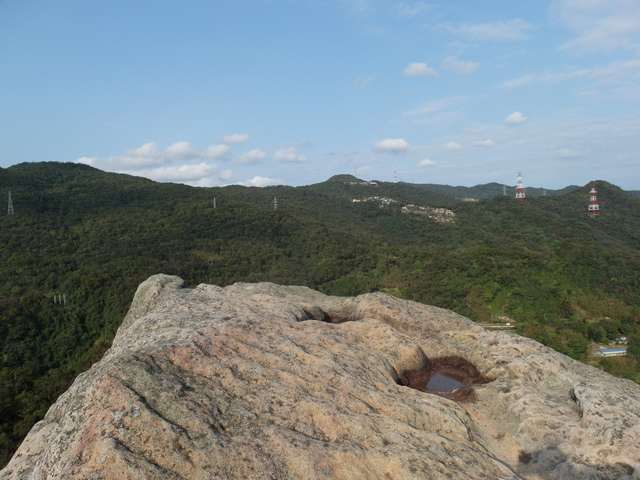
column 259, row 181
column 363, row 82
column 459, row 66
column 181, row 151
column 145, row 156
column 252, row 157
column 235, row 139
column 216, row 151
column 406, row 9
column 426, row 163
column 357, row 7
column 567, row 154
column 364, row 170
column 436, row 112
column 601, row 26
column 428, row 108
column 289, row 155
column 514, row 118
column 617, row 72
column 548, row 78
column 425, row 109
column 419, row 69
column 618, row 79
column 91, row 161
column 520, row 81
column 183, row 173
column 453, row 146
column 225, row 175
column 196, row 174
column 484, row 143
column 169, row 165
column 149, row 149
column 509, row 30
column 304, row 142
column 149, row 156
column 394, row 145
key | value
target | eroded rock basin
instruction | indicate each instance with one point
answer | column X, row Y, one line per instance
column 451, row 377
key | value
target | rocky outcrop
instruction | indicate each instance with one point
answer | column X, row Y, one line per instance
column 259, row 381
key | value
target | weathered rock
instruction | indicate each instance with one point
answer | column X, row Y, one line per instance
column 246, row 382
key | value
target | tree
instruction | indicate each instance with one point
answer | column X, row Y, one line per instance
column 633, row 348
column 597, row 333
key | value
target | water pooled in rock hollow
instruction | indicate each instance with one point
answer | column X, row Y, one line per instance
column 451, row 377
column 443, row 383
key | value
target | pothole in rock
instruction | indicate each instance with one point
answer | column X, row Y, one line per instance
column 451, row 377
column 327, row 317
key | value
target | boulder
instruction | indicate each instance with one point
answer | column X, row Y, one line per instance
column 260, row 381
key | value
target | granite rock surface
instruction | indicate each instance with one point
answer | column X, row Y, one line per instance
column 254, row 381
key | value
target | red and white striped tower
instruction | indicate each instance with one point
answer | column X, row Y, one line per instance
column 594, row 208
column 520, row 188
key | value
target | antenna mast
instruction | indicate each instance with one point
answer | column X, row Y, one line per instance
column 275, row 203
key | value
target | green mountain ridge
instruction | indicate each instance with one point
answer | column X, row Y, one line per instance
column 491, row 190
column 81, row 240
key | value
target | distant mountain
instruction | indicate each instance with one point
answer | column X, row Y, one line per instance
column 491, row 190
column 351, row 187
column 81, row 240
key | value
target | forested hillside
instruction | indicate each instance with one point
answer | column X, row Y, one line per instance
column 80, row 241
column 489, row 190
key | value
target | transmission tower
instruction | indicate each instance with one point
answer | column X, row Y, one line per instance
column 594, row 206
column 60, row 299
column 10, row 207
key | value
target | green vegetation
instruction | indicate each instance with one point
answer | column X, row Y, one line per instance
column 91, row 237
column 490, row 190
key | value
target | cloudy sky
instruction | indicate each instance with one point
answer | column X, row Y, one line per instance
column 264, row 92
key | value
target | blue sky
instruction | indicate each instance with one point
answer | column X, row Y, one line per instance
column 266, row 92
